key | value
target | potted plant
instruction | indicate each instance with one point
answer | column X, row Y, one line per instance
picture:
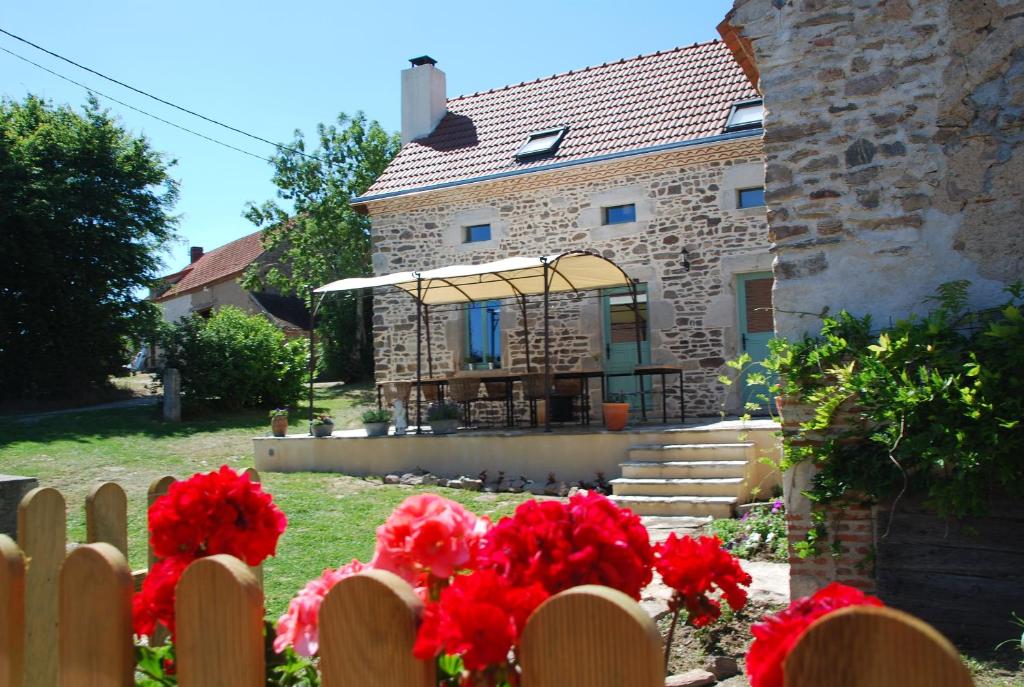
column 443, row 417
column 322, row 425
column 376, row 422
column 616, row 412
column 279, row 421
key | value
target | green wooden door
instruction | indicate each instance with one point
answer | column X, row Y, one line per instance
column 754, row 292
column 620, row 335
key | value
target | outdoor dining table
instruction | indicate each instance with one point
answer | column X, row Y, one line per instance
column 641, row 371
column 584, row 376
column 500, row 376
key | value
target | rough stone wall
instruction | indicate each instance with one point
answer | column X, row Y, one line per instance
column 894, row 150
column 894, row 155
column 682, row 200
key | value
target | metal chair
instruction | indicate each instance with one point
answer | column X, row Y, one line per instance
column 465, row 390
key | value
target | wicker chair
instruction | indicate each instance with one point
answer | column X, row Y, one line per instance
column 465, row 390
column 533, row 391
column 396, row 391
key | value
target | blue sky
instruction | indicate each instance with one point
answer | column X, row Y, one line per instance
column 271, row 68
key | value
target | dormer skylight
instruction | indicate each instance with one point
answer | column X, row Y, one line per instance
column 745, row 115
column 541, row 143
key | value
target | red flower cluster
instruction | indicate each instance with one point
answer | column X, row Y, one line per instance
column 776, row 636
column 693, row 568
column 217, row 512
column 479, row 617
column 587, row 541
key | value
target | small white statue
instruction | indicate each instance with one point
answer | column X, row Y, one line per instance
column 400, row 422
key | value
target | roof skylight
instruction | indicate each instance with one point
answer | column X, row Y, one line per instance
column 745, row 115
column 541, row 142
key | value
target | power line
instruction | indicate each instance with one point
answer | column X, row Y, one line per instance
column 156, row 98
column 132, row 107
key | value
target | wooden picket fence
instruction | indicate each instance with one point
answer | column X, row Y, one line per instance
column 584, row 637
column 42, row 538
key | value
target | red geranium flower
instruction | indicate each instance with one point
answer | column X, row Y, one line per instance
column 155, row 602
column 587, row 541
column 775, row 637
column 217, row 512
column 693, row 568
column 478, row 617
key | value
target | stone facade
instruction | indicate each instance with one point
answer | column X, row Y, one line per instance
column 894, row 154
column 894, row 150
column 684, row 198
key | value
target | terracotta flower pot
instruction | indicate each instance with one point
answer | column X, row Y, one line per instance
column 616, row 416
column 279, row 425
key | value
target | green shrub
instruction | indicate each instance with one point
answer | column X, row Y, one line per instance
column 375, row 415
column 939, row 402
column 236, row 360
column 761, row 531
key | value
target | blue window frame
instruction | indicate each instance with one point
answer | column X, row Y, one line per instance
column 620, row 214
column 478, row 232
column 750, row 197
column 483, row 333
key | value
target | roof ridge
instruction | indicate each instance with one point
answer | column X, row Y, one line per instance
column 622, row 60
column 231, row 242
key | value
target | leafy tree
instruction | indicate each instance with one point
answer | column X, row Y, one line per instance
column 323, row 238
column 233, row 359
column 84, row 214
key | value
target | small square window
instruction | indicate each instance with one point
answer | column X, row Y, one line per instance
column 620, row 214
column 541, row 142
column 750, row 197
column 748, row 115
column 478, row 232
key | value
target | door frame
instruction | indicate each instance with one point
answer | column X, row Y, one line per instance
column 741, row 313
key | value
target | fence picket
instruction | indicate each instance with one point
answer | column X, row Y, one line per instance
column 12, row 612
column 157, row 488
column 106, row 516
column 881, row 647
column 591, row 636
column 96, row 618
column 367, row 627
column 219, row 617
column 42, row 536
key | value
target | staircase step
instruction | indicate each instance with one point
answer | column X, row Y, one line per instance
column 684, row 468
column 721, row 486
column 698, row 506
column 690, row 452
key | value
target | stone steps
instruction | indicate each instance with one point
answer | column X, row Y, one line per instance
column 693, row 506
column 691, row 452
column 722, row 486
column 693, row 469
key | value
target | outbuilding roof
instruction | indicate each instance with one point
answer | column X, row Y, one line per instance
column 230, row 260
column 634, row 104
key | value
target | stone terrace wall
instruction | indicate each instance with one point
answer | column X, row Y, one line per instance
column 682, row 200
column 894, row 149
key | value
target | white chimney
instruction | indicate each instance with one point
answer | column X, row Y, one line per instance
column 424, row 98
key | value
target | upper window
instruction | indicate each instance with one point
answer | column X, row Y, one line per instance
column 483, row 335
column 750, row 197
column 541, row 142
column 619, row 214
column 477, row 232
column 746, row 115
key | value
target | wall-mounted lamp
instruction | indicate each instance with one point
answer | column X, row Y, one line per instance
column 686, row 260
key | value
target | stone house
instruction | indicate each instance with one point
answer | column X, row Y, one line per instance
column 894, row 157
column 212, row 280
column 654, row 162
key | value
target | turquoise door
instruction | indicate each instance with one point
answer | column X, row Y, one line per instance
column 756, row 330
column 620, row 337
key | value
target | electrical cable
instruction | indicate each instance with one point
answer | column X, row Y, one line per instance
column 158, row 99
column 132, row 107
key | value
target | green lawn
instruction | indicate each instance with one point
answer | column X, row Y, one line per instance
column 331, row 518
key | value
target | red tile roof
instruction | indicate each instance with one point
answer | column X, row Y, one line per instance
column 668, row 97
column 221, row 263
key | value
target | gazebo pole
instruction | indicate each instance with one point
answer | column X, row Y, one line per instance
column 430, row 355
column 419, row 346
column 312, row 352
column 547, row 351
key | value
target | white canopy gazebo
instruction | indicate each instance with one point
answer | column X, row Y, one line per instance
column 511, row 278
